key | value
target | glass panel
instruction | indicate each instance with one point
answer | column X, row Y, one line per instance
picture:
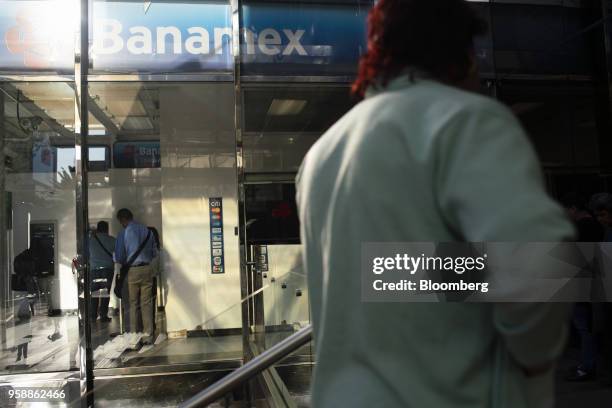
column 271, row 214
column 98, row 159
column 39, row 299
column 560, row 120
column 274, row 247
column 541, row 39
column 295, row 371
column 483, row 45
column 173, row 149
column 281, row 122
column 286, row 307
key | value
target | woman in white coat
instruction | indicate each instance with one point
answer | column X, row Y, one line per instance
column 424, row 159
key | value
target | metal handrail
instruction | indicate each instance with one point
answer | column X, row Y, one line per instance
column 261, row 362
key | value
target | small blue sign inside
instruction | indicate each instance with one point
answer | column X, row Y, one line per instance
column 217, row 261
column 136, row 155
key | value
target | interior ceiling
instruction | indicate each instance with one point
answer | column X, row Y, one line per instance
column 323, row 106
column 277, row 118
column 53, row 102
column 44, row 115
column 280, row 118
column 131, row 107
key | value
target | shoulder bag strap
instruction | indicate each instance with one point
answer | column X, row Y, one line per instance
column 103, row 247
column 138, row 251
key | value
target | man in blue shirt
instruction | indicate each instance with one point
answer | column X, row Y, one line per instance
column 140, row 273
column 101, row 247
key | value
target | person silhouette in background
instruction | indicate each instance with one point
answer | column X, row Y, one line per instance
column 424, row 158
column 588, row 230
column 135, row 249
column 156, row 265
column 101, row 247
column 601, row 205
column 23, row 331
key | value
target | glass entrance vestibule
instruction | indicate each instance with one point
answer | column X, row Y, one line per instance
column 192, row 115
column 195, row 116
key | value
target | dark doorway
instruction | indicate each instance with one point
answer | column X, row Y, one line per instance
column 42, row 242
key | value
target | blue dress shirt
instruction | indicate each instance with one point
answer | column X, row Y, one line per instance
column 128, row 241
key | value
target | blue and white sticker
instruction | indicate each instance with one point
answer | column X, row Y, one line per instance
column 217, row 259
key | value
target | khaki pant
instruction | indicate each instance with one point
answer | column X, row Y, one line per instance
column 140, row 290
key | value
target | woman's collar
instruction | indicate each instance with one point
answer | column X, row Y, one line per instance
column 407, row 77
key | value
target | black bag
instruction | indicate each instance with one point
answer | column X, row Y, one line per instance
column 126, row 267
column 25, row 264
column 19, row 283
column 24, row 312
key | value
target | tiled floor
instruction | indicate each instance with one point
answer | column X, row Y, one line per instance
column 168, row 351
column 54, row 343
column 52, row 347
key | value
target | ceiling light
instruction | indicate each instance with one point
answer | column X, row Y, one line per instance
column 283, row 107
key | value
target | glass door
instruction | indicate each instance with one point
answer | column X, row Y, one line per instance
column 39, row 333
column 281, row 122
column 172, row 167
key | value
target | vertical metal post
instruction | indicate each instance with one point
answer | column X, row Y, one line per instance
column 258, row 321
column 81, row 68
column 121, row 328
column 244, row 268
column 235, row 8
column 601, row 38
column 493, row 92
column 4, row 270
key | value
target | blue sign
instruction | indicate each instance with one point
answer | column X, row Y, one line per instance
column 181, row 37
column 136, row 155
column 302, row 39
column 165, row 37
column 217, row 261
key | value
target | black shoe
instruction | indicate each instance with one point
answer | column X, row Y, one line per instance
column 580, row 375
column 54, row 336
column 105, row 319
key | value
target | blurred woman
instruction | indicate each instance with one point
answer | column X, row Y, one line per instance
column 424, row 158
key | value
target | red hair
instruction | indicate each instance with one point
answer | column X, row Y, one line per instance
column 435, row 36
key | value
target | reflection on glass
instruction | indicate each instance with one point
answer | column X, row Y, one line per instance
column 40, row 301
column 563, row 48
column 281, row 123
column 302, row 38
column 173, row 154
column 39, row 36
column 295, row 371
column 161, row 37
